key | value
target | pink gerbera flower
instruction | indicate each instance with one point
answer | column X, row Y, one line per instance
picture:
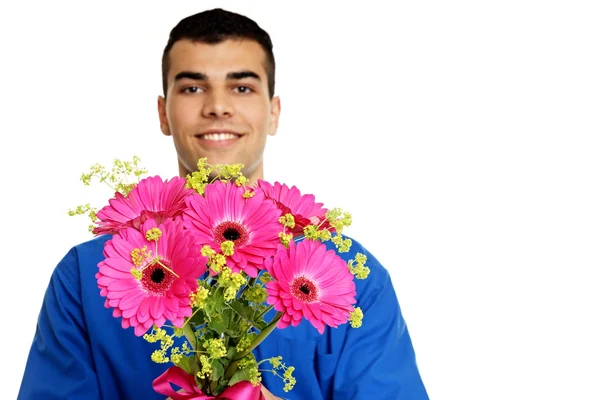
column 312, row 282
column 169, row 269
column 150, row 198
column 290, row 200
column 223, row 214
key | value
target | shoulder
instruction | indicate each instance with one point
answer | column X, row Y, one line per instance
column 87, row 251
column 379, row 276
column 80, row 256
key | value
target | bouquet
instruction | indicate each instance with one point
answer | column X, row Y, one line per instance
column 196, row 264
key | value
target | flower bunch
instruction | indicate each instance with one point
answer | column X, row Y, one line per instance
column 196, row 264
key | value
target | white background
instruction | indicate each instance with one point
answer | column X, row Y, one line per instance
column 462, row 135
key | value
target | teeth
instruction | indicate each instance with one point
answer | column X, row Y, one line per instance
column 219, row 136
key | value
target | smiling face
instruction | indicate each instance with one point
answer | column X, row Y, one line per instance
column 217, row 104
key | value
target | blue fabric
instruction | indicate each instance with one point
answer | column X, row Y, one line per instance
column 80, row 351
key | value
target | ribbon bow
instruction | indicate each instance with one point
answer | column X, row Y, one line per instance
column 243, row 390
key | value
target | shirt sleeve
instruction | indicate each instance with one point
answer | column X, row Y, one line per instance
column 59, row 365
column 377, row 359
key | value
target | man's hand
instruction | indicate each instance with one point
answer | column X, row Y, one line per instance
column 268, row 395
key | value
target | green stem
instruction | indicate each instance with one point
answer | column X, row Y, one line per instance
column 258, row 340
column 249, row 284
column 264, row 333
column 190, row 335
column 259, row 316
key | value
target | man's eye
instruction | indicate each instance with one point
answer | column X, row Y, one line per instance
column 243, row 89
column 191, row 89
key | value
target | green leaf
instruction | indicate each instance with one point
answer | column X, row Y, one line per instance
column 188, row 364
column 247, row 313
column 217, row 370
column 234, row 333
column 216, row 300
column 238, row 376
column 199, row 318
column 259, row 322
column 230, row 352
column 241, row 310
column 218, row 324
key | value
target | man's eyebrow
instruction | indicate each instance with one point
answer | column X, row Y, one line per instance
column 197, row 76
column 200, row 76
column 242, row 75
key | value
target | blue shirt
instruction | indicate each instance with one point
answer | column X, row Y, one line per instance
column 81, row 352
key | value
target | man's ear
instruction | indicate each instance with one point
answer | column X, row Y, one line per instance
column 162, row 116
column 274, row 118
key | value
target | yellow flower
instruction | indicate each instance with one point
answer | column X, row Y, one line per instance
column 356, row 317
column 153, row 234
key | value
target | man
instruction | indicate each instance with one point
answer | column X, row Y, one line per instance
column 219, row 102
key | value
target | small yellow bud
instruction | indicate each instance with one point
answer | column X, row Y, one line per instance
column 227, row 247
column 206, row 367
column 356, row 317
column 207, row 251
column 265, row 277
column 198, row 298
column 324, row 235
column 153, row 234
column 158, row 356
column 138, row 256
column 285, row 239
column 311, row 232
column 215, row 348
column 360, row 258
column 287, row 220
column 137, row 274
column 241, row 181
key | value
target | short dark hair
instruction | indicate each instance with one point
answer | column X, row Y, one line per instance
column 215, row 26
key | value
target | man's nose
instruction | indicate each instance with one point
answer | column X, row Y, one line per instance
column 217, row 105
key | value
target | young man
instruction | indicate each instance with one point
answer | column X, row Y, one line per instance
column 218, row 79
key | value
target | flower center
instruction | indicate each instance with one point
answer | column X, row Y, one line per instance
column 231, row 234
column 156, row 279
column 232, row 231
column 157, row 275
column 304, row 289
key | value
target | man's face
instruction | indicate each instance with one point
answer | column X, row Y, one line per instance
column 218, row 106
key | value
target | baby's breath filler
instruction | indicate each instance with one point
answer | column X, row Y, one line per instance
column 356, row 317
column 207, row 173
column 357, row 266
column 122, row 178
column 282, row 371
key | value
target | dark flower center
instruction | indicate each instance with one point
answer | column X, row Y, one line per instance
column 231, row 234
column 304, row 289
column 157, row 275
column 156, row 279
column 233, row 231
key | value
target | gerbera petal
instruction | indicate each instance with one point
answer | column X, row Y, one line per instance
column 123, row 284
column 140, row 329
column 282, row 324
column 171, row 303
column 255, row 219
column 157, row 307
column 325, row 300
column 160, row 294
column 150, row 198
column 130, row 299
column 297, row 304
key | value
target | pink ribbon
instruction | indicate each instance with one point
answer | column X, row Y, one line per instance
column 240, row 391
